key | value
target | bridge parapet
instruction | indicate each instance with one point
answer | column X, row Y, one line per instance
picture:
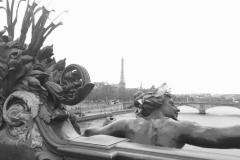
column 203, row 106
column 208, row 103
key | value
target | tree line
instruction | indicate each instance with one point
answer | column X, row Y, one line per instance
column 104, row 91
column 110, row 93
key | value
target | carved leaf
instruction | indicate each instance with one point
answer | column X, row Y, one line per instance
column 60, row 65
column 3, row 70
column 45, row 52
column 40, row 75
column 33, row 82
column 2, row 32
column 44, row 114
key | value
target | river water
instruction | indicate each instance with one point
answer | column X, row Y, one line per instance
column 217, row 117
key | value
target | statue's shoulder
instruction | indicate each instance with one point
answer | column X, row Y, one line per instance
column 166, row 122
column 176, row 125
column 137, row 123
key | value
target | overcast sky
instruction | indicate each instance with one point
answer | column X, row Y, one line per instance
column 194, row 46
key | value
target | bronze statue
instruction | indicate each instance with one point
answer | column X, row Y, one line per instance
column 157, row 124
column 34, row 93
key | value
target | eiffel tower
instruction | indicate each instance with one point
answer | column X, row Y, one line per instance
column 122, row 81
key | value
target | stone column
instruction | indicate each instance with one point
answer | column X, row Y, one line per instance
column 202, row 109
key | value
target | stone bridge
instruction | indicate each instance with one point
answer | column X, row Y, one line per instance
column 203, row 106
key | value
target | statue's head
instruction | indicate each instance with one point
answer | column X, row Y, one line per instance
column 159, row 100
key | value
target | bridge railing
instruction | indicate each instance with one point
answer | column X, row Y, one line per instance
column 207, row 102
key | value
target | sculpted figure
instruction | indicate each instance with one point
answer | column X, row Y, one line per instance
column 157, row 124
column 35, row 91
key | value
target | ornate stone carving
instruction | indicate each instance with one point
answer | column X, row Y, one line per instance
column 32, row 84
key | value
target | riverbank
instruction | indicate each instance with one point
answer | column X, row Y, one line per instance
column 95, row 116
column 98, row 108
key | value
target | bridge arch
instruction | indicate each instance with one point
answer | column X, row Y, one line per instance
column 224, row 108
column 203, row 106
column 188, row 109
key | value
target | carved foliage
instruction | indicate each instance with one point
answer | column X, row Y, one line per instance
column 31, row 67
column 19, row 111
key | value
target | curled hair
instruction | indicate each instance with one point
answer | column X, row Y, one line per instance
column 146, row 103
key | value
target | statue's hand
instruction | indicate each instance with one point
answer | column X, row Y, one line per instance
column 89, row 132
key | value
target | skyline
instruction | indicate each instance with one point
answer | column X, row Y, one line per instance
column 142, row 87
column 193, row 46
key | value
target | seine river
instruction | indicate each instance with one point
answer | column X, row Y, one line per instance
column 217, row 117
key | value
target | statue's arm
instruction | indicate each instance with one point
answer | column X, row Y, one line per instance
column 211, row 137
column 116, row 128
